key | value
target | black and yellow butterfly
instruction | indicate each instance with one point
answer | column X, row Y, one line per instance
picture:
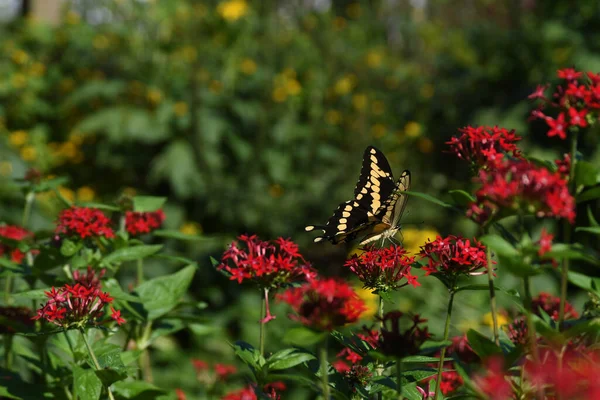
column 378, row 204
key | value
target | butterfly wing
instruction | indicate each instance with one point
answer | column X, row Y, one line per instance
column 394, row 206
column 375, row 185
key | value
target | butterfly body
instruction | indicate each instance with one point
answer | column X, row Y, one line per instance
column 377, row 206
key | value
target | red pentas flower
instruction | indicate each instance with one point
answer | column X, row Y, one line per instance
column 401, row 339
column 577, row 101
column 383, row 269
column 14, row 234
column 567, row 374
column 483, row 146
column 493, row 383
column 521, row 185
column 270, row 264
column 137, row 223
column 454, row 255
column 324, row 304
column 90, row 279
column 76, row 306
column 270, row 391
column 545, row 242
column 84, row 222
column 451, row 381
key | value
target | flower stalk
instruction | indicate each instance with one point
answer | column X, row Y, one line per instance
column 494, row 311
column 95, row 360
column 263, row 322
column 324, row 370
column 399, row 378
column 446, row 332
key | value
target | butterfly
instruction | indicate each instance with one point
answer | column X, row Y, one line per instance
column 378, row 204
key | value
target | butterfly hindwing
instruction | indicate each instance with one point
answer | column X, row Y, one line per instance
column 393, row 208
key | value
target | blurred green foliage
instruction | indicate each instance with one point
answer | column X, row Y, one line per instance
column 251, row 116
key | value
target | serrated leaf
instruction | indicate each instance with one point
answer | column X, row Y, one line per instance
column 303, row 337
column 148, row 203
column 86, row 385
column 160, row 295
column 131, row 253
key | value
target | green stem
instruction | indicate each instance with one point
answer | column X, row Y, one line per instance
column 446, row 332
column 490, row 274
column 399, row 378
column 263, row 323
column 144, row 361
column 70, row 344
column 29, row 198
column 380, row 366
column 567, row 234
column 530, row 324
column 95, row 360
column 140, row 271
column 8, row 354
column 324, row 370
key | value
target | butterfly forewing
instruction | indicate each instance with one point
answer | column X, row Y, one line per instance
column 373, row 197
column 394, row 207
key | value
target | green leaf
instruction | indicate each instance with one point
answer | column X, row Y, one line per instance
column 420, row 359
column 112, row 286
column 590, row 215
column 148, row 203
column 499, row 245
column 303, row 337
column 289, row 360
column 131, row 253
column 160, row 295
column 461, row 198
column 591, row 194
column 428, row 198
column 248, row 354
column 482, row 346
column 586, row 174
column 133, row 389
column 561, row 251
column 100, row 206
column 589, row 229
column 6, row 263
column 35, row 294
column 584, row 281
column 68, row 248
column 86, row 385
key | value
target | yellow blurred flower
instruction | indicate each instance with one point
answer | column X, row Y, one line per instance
column 101, row 42
column 72, row 18
column 18, row 80
column 279, row 94
column 378, row 107
column 378, row 130
column 232, row 10
column 190, row 228
column 189, row 53
column 180, row 108
column 344, row 85
column 488, row 321
column 293, row 87
column 67, row 84
column 359, row 101
column 28, row 153
column 467, row 324
column 18, row 138
column 339, row 23
column 412, row 129
column 37, row 69
column 215, row 86
column 19, row 57
column 275, row 190
column 353, row 10
column 374, row 58
column 85, row 193
column 202, row 75
column 427, row 91
column 248, row 66
column 68, row 150
column 371, row 301
column 154, row 96
column 415, row 238
column 6, row 168
column 425, row 145
column 333, row 117
column 76, row 138
column 289, row 73
column 66, row 193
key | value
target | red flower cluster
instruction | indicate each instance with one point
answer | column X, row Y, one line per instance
column 454, row 255
column 359, row 345
column 571, row 375
column 324, row 304
column 76, row 306
column 84, row 222
column 15, row 233
column 268, row 264
column 577, row 101
column 398, row 342
column 545, row 242
column 521, row 185
column 90, row 279
column 451, row 381
column 564, row 166
column 270, row 391
column 493, row 384
column 137, row 223
column 459, row 350
column 484, row 144
column 218, row 372
column 383, row 269
column 517, row 331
